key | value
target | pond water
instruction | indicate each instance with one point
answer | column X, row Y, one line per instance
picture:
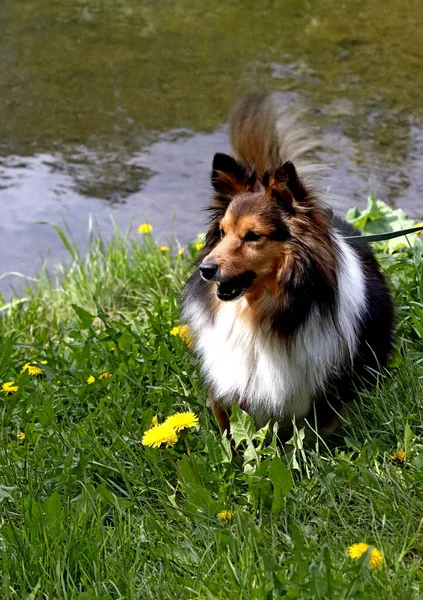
column 116, row 107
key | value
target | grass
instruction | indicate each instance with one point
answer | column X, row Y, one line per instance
column 88, row 512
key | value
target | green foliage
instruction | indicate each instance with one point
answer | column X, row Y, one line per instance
column 378, row 217
column 88, row 512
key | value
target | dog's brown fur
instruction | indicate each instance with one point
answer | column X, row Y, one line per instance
column 267, row 220
column 280, row 210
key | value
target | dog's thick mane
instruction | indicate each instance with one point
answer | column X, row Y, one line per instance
column 270, row 375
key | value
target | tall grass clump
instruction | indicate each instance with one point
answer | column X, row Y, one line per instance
column 97, row 502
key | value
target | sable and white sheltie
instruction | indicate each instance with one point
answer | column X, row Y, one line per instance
column 288, row 318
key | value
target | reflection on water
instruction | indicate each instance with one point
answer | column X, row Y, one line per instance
column 120, row 104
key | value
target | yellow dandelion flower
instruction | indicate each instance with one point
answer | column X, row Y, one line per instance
column 159, row 435
column 145, row 228
column 376, row 558
column 226, row 514
column 112, row 350
column 9, row 387
column 356, row 551
column 182, row 420
column 58, row 382
column 181, row 251
column 32, row 369
column 154, row 422
column 199, row 245
column 398, row 456
column 184, row 333
column 105, row 375
column 90, row 379
column 43, row 362
column 164, row 248
column 21, row 435
column 420, row 224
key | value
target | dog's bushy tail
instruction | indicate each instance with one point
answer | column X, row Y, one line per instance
column 264, row 137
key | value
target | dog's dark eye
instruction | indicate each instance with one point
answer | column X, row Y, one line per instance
column 252, row 236
column 222, row 233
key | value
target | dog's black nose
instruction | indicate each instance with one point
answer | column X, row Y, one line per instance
column 208, row 270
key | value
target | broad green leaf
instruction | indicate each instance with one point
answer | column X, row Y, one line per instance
column 53, row 508
column 219, row 450
column 357, row 218
column 250, row 455
column 111, row 498
column 263, row 467
column 318, row 582
column 188, row 471
column 200, row 500
column 301, row 550
column 261, row 491
column 5, row 492
column 281, row 480
column 85, row 317
column 261, row 435
column 376, row 208
column 242, row 426
column 352, row 214
column 46, row 414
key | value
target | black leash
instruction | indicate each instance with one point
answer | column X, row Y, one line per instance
column 380, row 237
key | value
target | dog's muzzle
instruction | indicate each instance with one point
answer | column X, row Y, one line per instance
column 227, row 288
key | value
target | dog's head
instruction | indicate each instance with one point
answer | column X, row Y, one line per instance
column 260, row 229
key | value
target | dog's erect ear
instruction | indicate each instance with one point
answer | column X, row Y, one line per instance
column 286, row 174
column 226, row 164
column 285, row 185
column 228, row 176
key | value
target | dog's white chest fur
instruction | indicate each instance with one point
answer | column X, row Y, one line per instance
column 255, row 367
column 247, row 365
